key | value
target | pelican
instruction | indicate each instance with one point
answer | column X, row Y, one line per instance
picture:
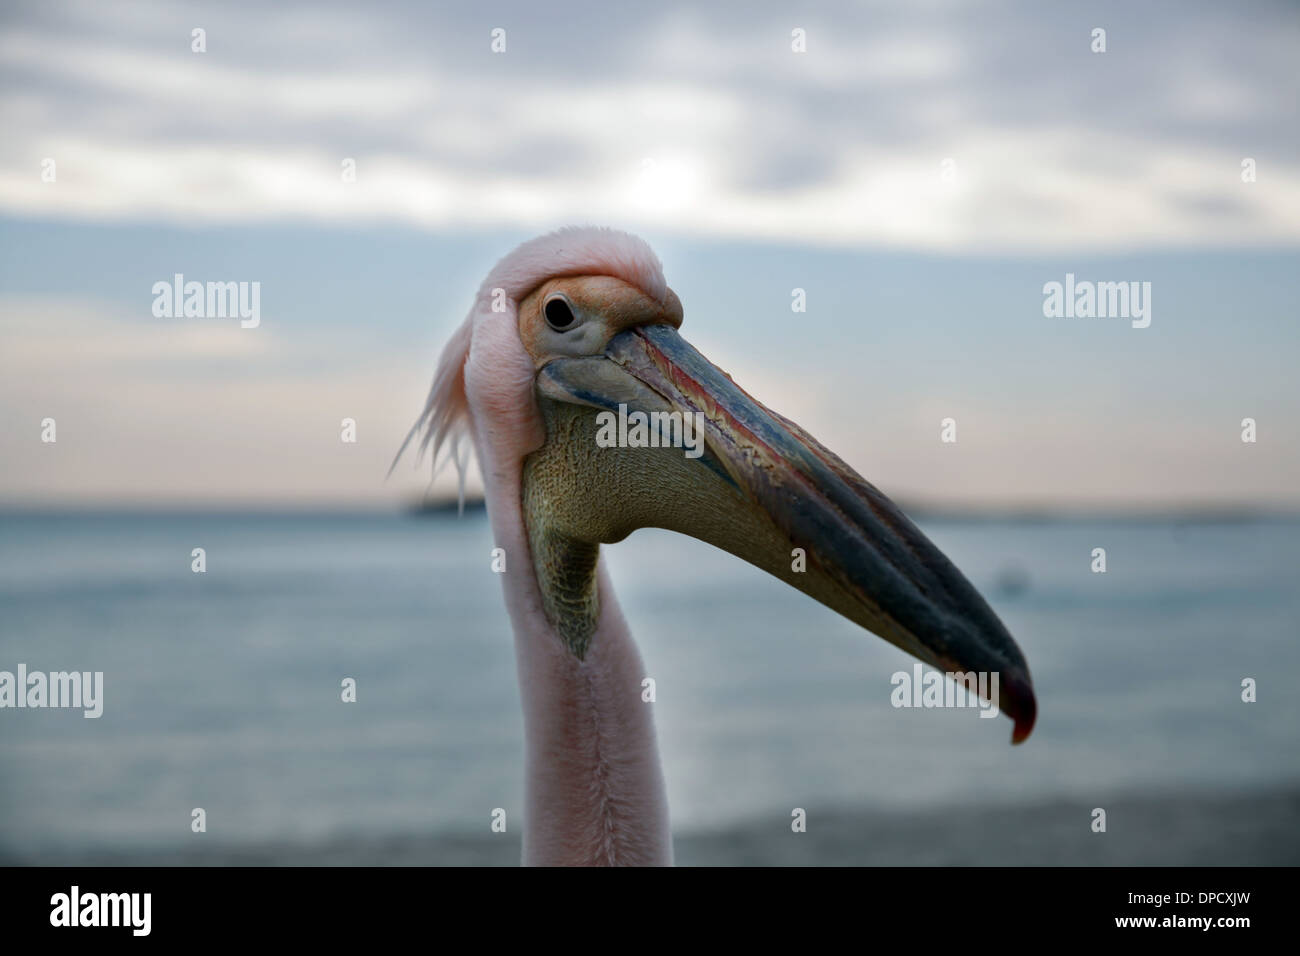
column 574, row 325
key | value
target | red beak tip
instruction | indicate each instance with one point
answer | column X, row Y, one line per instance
column 1024, row 724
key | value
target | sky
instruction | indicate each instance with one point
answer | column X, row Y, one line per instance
column 921, row 171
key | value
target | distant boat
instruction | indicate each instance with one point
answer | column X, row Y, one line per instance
column 1012, row 581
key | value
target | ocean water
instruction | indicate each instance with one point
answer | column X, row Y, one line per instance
column 222, row 689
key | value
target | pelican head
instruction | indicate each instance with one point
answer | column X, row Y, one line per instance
column 600, row 340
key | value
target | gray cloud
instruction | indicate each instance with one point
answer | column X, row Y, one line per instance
column 699, row 120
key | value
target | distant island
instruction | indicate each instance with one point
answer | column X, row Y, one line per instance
column 446, row 506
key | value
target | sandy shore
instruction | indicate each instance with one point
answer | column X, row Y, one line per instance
column 1176, row 830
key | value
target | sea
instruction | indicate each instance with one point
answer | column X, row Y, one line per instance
column 1164, row 687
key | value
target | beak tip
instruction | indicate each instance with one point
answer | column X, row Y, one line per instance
column 1024, row 727
column 1024, row 711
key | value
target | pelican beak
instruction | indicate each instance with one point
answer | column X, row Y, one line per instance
column 765, row 490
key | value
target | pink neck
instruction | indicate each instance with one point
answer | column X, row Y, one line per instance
column 594, row 788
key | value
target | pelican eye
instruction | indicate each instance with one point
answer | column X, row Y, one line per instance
column 559, row 314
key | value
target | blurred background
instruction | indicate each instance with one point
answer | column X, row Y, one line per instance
column 919, row 171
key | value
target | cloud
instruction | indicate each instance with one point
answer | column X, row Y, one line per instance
column 700, row 122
